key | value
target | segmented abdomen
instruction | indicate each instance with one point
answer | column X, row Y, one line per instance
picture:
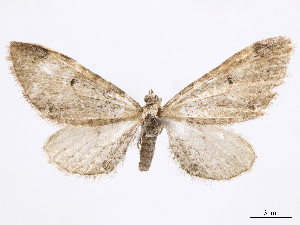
column 147, row 152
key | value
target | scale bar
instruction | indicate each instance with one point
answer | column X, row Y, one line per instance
column 271, row 217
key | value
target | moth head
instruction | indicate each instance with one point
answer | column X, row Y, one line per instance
column 151, row 98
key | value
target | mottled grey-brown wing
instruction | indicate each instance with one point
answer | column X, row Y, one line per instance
column 208, row 151
column 238, row 90
column 90, row 150
column 66, row 92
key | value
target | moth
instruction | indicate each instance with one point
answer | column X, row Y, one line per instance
column 101, row 120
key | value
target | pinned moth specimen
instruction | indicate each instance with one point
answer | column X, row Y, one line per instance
column 101, row 120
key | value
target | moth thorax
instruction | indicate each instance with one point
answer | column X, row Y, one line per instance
column 151, row 98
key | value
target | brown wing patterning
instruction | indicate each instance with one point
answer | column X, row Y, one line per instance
column 237, row 90
column 65, row 92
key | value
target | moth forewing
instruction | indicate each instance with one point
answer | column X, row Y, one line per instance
column 65, row 92
column 238, row 90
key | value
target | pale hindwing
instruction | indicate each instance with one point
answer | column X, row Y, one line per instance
column 238, row 90
column 66, row 92
column 209, row 151
column 90, row 150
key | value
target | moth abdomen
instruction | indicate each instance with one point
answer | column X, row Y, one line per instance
column 151, row 128
column 147, row 152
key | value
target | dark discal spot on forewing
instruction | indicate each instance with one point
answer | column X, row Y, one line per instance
column 72, row 82
column 229, row 80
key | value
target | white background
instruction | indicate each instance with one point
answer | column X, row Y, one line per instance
column 139, row 45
